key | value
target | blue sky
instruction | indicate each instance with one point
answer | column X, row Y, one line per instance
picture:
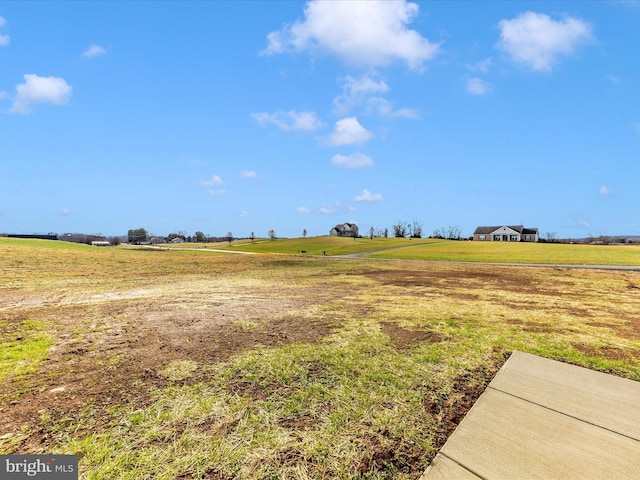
column 250, row 116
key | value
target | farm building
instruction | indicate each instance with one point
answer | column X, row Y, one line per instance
column 344, row 230
column 99, row 243
column 503, row 233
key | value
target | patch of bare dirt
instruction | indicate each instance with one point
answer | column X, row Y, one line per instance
column 612, row 353
column 115, row 361
column 405, row 338
column 504, row 278
column 448, row 409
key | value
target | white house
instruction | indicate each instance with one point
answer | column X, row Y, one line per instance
column 505, row 233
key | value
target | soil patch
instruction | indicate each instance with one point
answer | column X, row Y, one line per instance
column 405, row 338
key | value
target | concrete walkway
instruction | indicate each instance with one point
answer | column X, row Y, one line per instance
column 542, row 419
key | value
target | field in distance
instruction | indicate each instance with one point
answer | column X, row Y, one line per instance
column 164, row 364
column 443, row 250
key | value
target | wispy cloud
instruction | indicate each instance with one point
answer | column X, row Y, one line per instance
column 370, row 34
column 348, row 131
column 94, row 51
column 385, row 108
column 215, row 192
column 214, row 180
column 477, row 86
column 36, row 89
column 613, row 79
column 289, row 121
column 303, row 210
column 4, row 39
column 65, row 211
column 243, row 214
column 364, row 92
column 367, row 196
column 605, row 191
column 482, row 66
column 356, row 91
column 248, row 174
column 354, row 161
column 536, row 40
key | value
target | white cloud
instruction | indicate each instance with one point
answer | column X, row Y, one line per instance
column 584, row 224
column 477, row 86
column 216, row 192
column 384, row 108
column 369, row 33
column 243, row 214
column 65, row 211
column 248, row 174
column 482, row 67
column 353, row 161
column 35, row 89
column 289, row 121
column 94, row 51
column 215, row 180
column 348, row 131
column 535, row 40
column 364, row 92
column 304, row 210
column 604, row 191
column 4, row 39
column 367, row 196
column 327, row 209
column 355, row 92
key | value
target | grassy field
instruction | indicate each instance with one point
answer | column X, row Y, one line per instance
column 441, row 250
column 505, row 252
column 179, row 364
column 310, row 245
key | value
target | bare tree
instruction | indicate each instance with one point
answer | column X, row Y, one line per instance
column 454, row 232
column 386, row 233
column 252, row 237
column 229, row 237
column 272, row 234
column 416, row 229
column 400, row 229
column 371, row 231
column 304, row 233
column 551, row 237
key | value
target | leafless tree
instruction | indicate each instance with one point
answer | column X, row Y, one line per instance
column 416, row 229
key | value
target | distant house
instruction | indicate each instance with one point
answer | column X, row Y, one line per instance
column 504, row 233
column 99, row 243
column 344, row 230
column 177, row 240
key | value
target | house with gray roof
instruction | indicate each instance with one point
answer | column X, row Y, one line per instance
column 516, row 233
column 344, row 230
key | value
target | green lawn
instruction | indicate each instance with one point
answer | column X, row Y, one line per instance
column 320, row 245
column 498, row 252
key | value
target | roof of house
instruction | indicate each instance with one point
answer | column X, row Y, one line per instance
column 518, row 228
column 345, row 226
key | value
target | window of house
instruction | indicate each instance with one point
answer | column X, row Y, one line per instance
column 482, row 237
column 527, row 237
column 514, row 238
column 497, row 238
